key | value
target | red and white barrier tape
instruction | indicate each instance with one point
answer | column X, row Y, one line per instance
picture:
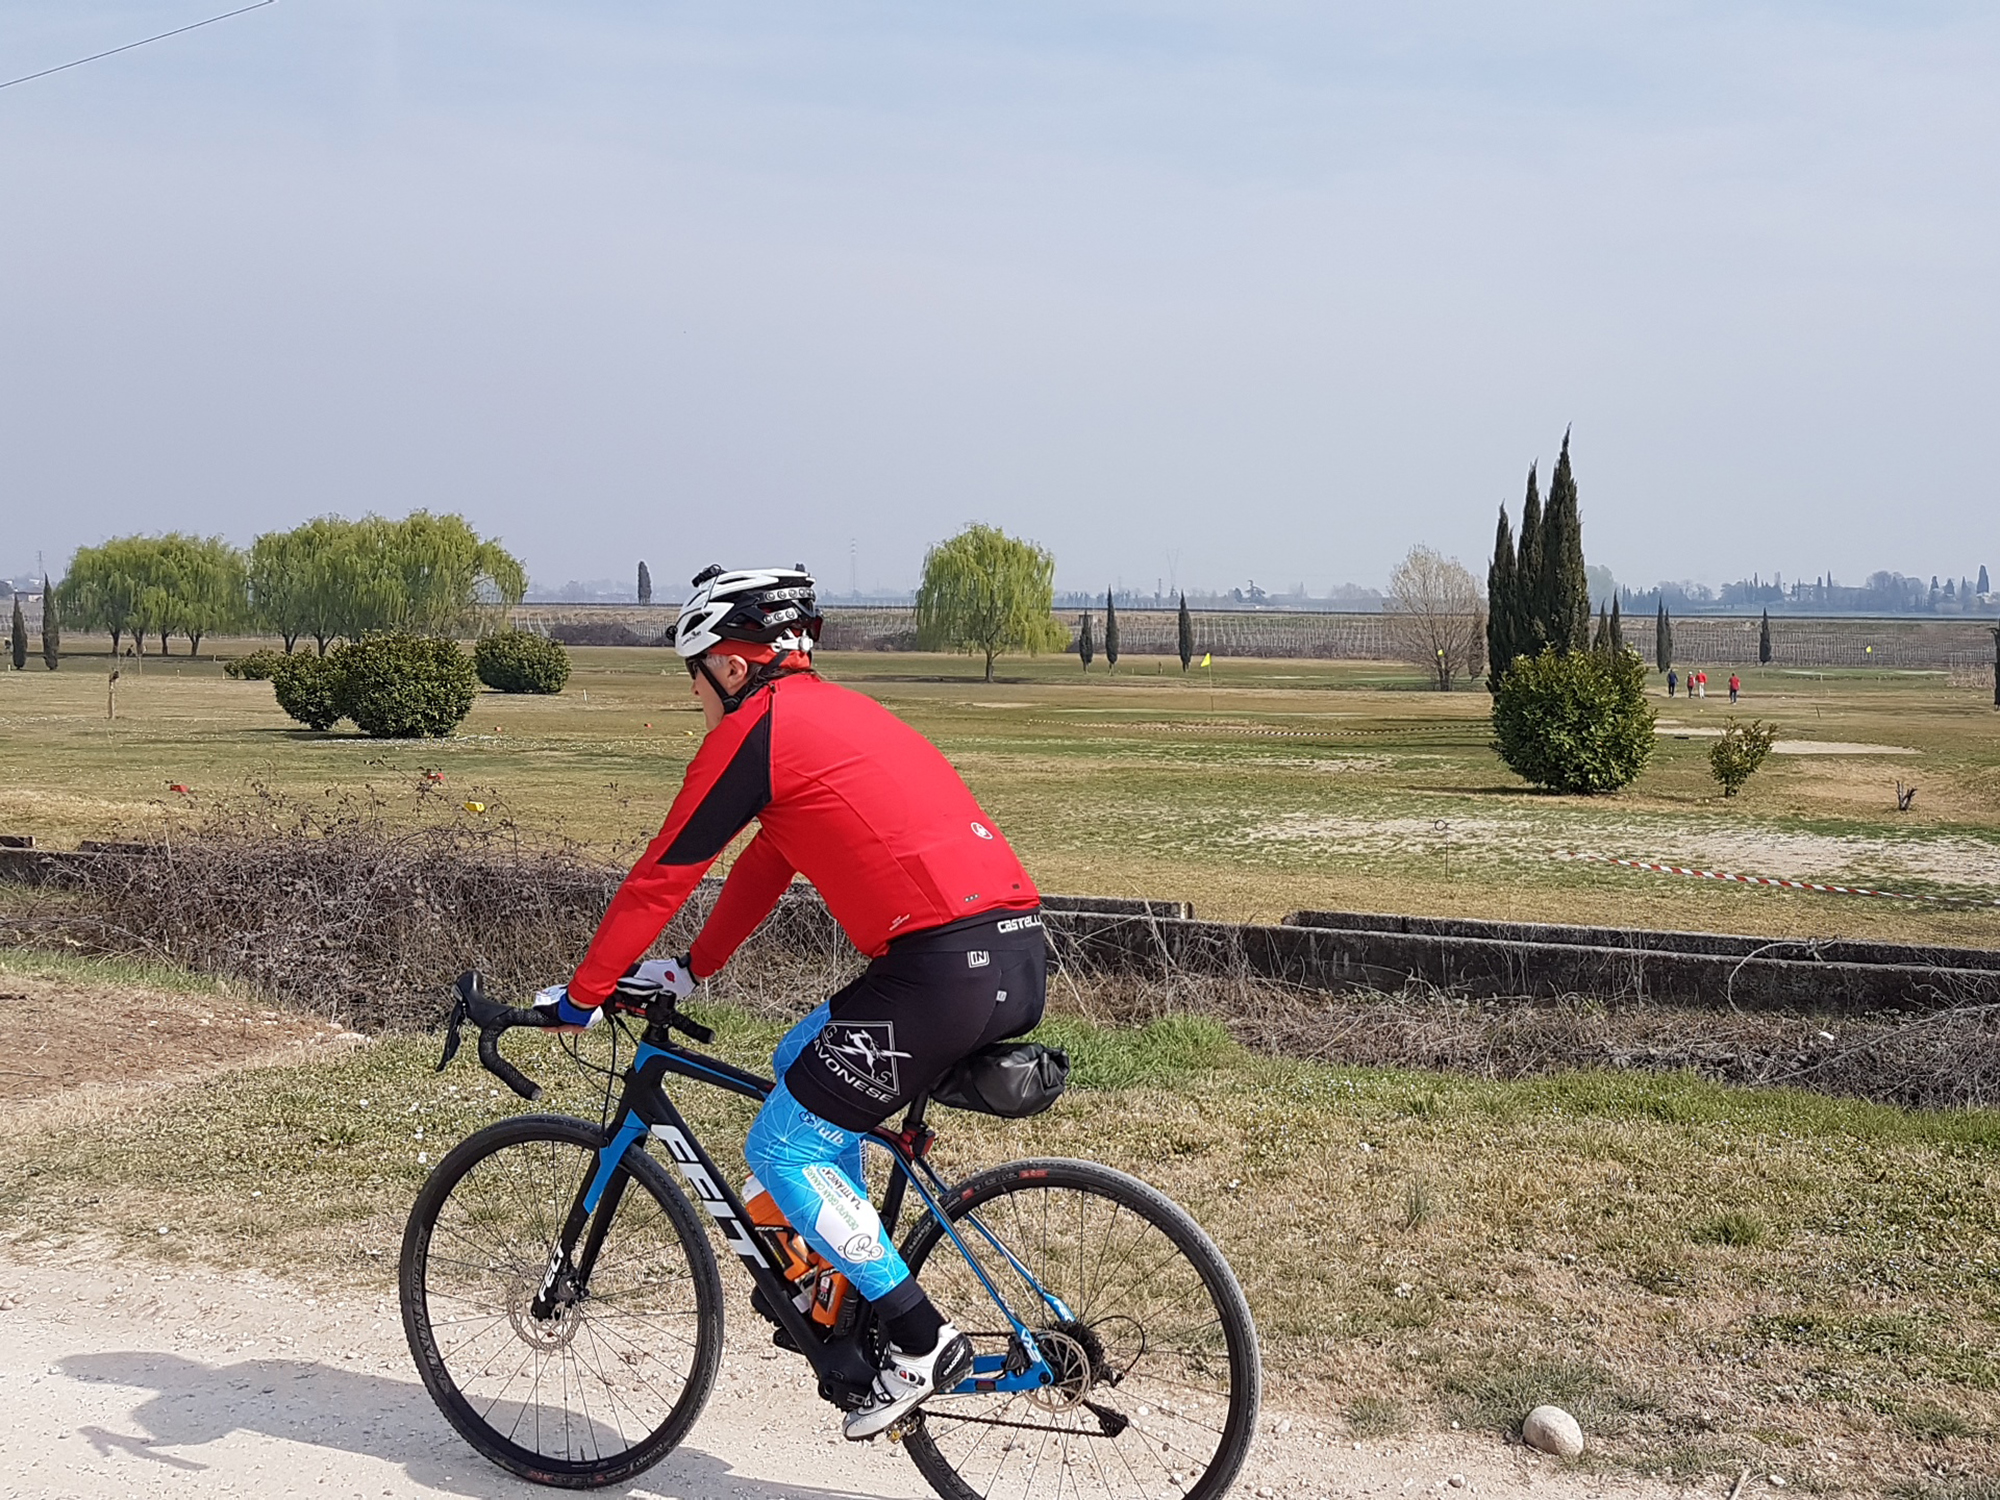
column 1790, row 885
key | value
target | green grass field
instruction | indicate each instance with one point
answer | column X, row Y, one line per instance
column 1285, row 784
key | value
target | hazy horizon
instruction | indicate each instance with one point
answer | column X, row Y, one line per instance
column 1200, row 294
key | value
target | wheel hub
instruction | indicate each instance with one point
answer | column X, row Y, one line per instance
column 1067, row 1353
column 550, row 1333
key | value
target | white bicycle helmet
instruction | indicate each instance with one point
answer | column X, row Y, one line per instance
column 772, row 607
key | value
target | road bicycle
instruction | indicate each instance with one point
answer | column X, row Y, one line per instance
column 565, row 1308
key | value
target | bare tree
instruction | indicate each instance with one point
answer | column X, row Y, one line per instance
column 1436, row 616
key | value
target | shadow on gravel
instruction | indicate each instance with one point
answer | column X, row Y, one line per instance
column 373, row 1416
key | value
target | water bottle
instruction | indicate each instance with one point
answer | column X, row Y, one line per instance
column 820, row 1291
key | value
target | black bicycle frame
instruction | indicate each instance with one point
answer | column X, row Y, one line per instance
column 846, row 1365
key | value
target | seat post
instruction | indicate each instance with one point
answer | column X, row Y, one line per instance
column 892, row 1195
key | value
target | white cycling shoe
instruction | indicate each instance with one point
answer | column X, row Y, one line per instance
column 908, row 1381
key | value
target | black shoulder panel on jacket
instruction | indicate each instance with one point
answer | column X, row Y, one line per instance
column 739, row 794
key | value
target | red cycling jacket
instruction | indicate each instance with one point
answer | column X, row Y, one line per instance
column 847, row 795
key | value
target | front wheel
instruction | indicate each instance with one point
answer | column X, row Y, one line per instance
column 573, row 1364
column 1154, row 1353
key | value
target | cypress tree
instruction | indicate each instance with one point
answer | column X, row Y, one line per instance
column 1617, row 627
column 1501, row 606
column 1565, row 591
column 18, row 637
column 1530, row 632
column 1983, row 586
column 645, row 583
column 1186, row 634
column 1085, row 646
column 1110, row 630
column 1764, row 641
column 1663, row 640
column 51, row 627
column 1601, row 642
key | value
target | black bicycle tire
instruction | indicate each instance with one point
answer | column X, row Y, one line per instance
column 1187, row 1236
column 689, row 1228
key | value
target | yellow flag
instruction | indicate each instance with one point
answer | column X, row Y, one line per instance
column 1205, row 658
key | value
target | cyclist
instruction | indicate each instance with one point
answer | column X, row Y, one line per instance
column 913, row 869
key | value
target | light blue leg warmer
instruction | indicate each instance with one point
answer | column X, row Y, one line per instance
column 796, row 1041
column 812, row 1170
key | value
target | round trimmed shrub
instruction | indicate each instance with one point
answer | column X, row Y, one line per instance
column 308, row 689
column 258, row 666
column 1575, row 721
column 404, row 687
column 519, row 661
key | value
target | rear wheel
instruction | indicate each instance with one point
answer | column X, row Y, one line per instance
column 613, row 1370
column 1156, row 1365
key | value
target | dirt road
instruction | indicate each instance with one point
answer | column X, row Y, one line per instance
column 128, row 1379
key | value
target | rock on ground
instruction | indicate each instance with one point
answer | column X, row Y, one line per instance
column 1553, row 1430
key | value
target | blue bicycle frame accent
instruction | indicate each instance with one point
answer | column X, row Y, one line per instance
column 632, row 1128
column 636, row 1125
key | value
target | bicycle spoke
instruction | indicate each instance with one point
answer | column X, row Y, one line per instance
column 1151, row 1350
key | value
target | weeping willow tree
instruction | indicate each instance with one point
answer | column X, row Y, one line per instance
column 154, row 585
column 329, row 578
column 425, row 574
column 987, row 593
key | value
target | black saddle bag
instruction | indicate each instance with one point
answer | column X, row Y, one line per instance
column 1010, row 1079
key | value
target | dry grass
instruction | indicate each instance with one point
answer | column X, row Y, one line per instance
column 173, row 1035
column 361, row 911
column 1583, row 1236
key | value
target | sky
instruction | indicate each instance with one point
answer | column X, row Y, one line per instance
column 1201, row 294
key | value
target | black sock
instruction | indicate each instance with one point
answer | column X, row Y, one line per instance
column 915, row 1329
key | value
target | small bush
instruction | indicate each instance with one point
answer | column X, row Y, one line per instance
column 1735, row 757
column 1575, row 722
column 404, row 687
column 518, row 661
column 308, row 689
column 258, row 666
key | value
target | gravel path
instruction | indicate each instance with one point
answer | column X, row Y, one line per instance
column 124, row 1378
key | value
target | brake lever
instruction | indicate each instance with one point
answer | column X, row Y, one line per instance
column 451, row 1025
column 491, row 1018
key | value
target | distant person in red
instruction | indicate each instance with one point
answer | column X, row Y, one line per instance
column 916, row 873
column 1735, row 686
column 1701, row 685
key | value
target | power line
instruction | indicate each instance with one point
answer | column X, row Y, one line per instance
column 196, row 26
